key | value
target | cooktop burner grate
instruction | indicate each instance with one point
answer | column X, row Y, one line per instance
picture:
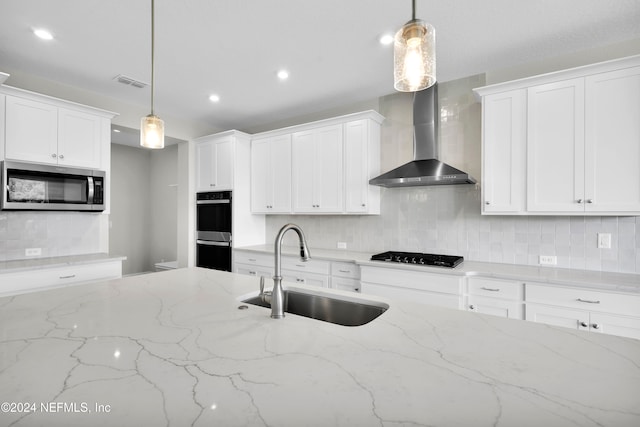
column 449, row 261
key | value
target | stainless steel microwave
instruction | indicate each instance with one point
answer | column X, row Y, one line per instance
column 33, row 186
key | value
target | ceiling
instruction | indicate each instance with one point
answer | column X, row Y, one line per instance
column 330, row 47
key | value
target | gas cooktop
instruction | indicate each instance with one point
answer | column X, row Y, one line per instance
column 449, row 261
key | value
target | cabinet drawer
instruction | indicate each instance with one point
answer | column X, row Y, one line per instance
column 494, row 288
column 253, row 258
column 425, row 281
column 345, row 284
column 306, row 278
column 584, row 299
column 253, row 270
column 345, row 269
column 28, row 281
column 311, row 266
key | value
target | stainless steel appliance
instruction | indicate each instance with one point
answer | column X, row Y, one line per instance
column 34, row 186
column 213, row 230
column 449, row 261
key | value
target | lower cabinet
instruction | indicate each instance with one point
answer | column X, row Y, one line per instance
column 415, row 286
column 584, row 309
column 57, row 277
column 503, row 298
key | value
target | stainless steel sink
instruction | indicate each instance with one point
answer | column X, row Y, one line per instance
column 333, row 310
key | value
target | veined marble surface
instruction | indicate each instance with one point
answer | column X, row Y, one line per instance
column 173, row 349
column 599, row 280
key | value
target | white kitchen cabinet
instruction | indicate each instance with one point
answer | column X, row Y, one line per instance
column 313, row 272
column 271, row 174
column 46, row 133
column 253, row 264
column 214, row 163
column 56, row 277
column 317, row 170
column 327, row 169
column 361, row 163
column 415, row 286
column 503, row 298
column 555, row 148
column 504, row 152
column 582, row 133
column 584, row 309
column 612, row 142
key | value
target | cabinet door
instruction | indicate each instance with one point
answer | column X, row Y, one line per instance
column 504, row 141
column 205, row 161
column 317, row 170
column 344, row 284
column 279, row 174
column 271, row 175
column 615, row 325
column 224, row 164
column 31, row 132
column 612, row 141
column 557, row 316
column 260, row 177
column 411, row 295
column 555, row 148
column 79, row 139
column 356, row 166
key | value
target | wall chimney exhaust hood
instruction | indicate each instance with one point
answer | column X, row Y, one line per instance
column 425, row 169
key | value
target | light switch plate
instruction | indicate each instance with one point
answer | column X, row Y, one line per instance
column 342, row 245
column 33, row 251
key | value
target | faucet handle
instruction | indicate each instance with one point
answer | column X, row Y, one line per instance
column 261, row 285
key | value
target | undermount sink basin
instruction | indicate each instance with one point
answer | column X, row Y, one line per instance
column 320, row 307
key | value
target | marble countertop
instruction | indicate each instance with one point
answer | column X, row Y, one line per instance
column 600, row 280
column 173, row 349
column 61, row 261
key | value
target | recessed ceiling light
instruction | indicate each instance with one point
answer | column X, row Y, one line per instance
column 386, row 39
column 214, row 98
column 283, row 74
column 43, row 34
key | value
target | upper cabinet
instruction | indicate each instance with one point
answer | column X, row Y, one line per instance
column 317, row 170
column 45, row 130
column 326, row 170
column 214, row 168
column 565, row 143
column 271, row 174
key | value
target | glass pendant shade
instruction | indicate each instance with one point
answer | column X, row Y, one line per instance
column 414, row 57
column 152, row 132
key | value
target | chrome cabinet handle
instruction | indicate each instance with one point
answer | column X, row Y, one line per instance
column 589, row 200
column 579, row 200
column 363, row 205
column 487, row 203
column 595, row 326
column 584, row 325
column 344, row 271
column 299, row 280
column 61, row 156
column 491, row 289
column 472, row 307
column 253, row 273
column 71, row 276
column 588, row 301
column 54, row 155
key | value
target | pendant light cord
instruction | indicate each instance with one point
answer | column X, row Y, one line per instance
column 413, row 10
column 153, row 51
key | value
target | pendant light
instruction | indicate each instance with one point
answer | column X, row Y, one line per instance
column 152, row 126
column 414, row 55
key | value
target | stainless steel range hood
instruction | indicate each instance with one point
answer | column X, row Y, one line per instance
column 425, row 169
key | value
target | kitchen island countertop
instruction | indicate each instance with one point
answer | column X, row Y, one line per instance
column 172, row 348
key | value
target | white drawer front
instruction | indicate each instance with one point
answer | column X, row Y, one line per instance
column 495, row 288
column 345, row 284
column 253, row 258
column 253, row 270
column 345, row 269
column 311, row 266
column 26, row 281
column 312, row 279
column 426, row 281
column 584, row 299
column 412, row 295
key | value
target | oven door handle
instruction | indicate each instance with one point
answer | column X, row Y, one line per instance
column 213, row 202
column 212, row 243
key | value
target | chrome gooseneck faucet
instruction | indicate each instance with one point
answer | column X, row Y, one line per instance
column 277, row 296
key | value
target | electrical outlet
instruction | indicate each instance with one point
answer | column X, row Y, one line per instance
column 604, row 240
column 33, row 251
column 548, row 260
column 342, row 245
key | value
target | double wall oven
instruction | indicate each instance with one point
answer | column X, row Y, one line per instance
column 213, row 230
